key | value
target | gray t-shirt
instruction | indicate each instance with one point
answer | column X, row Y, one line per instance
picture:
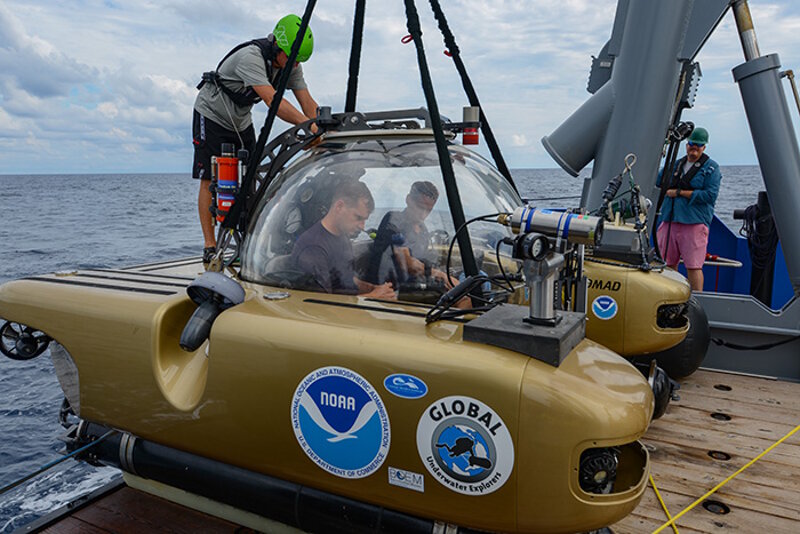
column 245, row 68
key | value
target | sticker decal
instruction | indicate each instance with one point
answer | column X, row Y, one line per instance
column 341, row 422
column 407, row 479
column 604, row 307
column 405, row 386
column 465, row 445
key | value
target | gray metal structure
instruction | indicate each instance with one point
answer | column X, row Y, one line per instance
column 641, row 80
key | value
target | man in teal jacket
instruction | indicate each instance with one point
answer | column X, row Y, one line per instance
column 688, row 209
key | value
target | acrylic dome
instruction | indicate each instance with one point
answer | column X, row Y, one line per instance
column 408, row 216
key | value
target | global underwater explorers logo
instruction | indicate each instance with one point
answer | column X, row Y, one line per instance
column 465, row 445
column 341, row 422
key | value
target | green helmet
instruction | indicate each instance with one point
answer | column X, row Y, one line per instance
column 285, row 33
column 699, row 136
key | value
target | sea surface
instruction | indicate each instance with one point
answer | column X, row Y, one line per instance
column 56, row 222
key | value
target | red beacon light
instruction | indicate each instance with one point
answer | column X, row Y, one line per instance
column 470, row 136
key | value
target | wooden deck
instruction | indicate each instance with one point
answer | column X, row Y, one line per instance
column 763, row 498
column 124, row 509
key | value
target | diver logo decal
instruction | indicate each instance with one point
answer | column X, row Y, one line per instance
column 405, row 386
column 465, row 445
column 340, row 422
column 604, row 307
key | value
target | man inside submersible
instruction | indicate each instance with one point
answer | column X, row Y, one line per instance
column 325, row 251
column 244, row 77
column 401, row 250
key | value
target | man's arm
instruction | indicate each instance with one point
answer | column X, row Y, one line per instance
column 307, row 102
column 383, row 291
column 286, row 111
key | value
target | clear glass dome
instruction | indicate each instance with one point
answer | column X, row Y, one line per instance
column 313, row 231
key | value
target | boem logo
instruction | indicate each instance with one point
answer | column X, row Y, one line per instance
column 604, row 307
column 340, row 422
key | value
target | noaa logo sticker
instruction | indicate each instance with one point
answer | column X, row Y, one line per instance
column 341, row 422
column 405, row 386
column 465, row 445
column 604, row 307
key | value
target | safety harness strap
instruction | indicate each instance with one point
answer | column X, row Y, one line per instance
column 248, row 96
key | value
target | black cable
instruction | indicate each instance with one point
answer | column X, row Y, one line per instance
column 453, row 241
column 762, row 239
column 765, row 346
column 472, row 96
column 510, row 288
column 355, row 56
column 446, row 165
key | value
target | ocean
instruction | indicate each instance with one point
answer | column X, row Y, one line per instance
column 57, row 222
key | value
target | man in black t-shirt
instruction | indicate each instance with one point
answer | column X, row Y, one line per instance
column 401, row 249
column 325, row 251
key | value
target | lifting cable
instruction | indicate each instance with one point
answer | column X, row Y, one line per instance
column 718, row 486
column 234, row 216
column 355, row 56
column 472, row 96
column 448, row 175
column 54, row 463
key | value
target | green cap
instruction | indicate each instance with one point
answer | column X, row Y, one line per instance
column 285, row 33
column 699, row 136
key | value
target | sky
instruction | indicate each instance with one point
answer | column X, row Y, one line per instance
column 106, row 86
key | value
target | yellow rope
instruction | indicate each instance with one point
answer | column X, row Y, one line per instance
column 663, row 504
column 718, row 486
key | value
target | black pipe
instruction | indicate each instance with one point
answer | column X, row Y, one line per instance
column 355, row 56
column 472, row 96
column 451, row 188
column 287, row 502
column 234, row 216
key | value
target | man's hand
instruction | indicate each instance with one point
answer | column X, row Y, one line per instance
column 446, row 280
column 672, row 193
column 383, row 291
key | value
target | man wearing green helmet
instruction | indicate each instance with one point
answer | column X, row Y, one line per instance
column 688, row 209
column 244, row 77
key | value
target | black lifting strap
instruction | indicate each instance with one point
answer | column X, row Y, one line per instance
column 355, row 56
column 234, row 216
column 472, row 96
column 453, row 198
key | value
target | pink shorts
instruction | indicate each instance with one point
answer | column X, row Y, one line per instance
column 687, row 241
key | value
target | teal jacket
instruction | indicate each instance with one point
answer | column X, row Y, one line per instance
column 700, row 208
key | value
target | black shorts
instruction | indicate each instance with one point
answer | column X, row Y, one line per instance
column 208, row 136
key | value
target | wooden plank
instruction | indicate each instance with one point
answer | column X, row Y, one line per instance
column 765, row 477
column 72, row 525
column 744, row 389
column 715, row 436
column 129, row 510
column 765, row 497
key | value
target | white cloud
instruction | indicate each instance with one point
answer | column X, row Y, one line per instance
column 117, row 80
column 519, row 140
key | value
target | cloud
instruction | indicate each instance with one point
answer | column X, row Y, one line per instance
column 101, row 86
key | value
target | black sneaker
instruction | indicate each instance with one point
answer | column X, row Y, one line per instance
column 208, row 254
